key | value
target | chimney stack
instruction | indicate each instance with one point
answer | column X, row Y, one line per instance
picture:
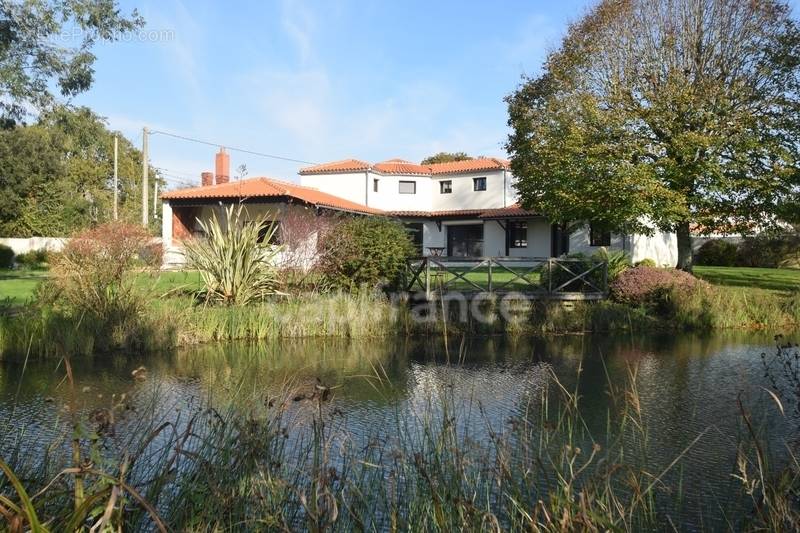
column 223, row 167
column 207, row 178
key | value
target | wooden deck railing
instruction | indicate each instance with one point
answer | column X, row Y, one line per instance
column 546, row 277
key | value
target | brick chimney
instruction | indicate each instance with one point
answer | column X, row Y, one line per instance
column 223, row 166
column 207, row 178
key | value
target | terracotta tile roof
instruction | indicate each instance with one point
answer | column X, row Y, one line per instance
column 470, row 165
column 269, row 188
column 514, row 210
column 345, row 165
column 501, row 212
column 401, row 166
column 472, row 213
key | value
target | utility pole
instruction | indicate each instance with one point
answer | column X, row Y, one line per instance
column 145, row 168
column 116, row 179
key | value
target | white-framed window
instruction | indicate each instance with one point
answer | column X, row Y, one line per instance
column 374, row 184
column 407, row 187
column 478, row 184
column 445, row 187
column 517, row 234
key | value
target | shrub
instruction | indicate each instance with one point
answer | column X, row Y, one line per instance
column 647, row 286
column 366, row 251
column 33, row 259
column 235, row 262
column 770, row 251
column 618, row 261
column 91, row 280
column 579, row 263
column 717, row 252
column 6, row 256
column 646, row 262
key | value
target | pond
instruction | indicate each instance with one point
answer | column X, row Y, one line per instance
column 688, row 390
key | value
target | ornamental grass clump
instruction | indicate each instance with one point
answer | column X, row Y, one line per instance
column 235, row 260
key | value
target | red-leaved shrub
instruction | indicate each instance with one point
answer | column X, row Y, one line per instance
column 644, row 285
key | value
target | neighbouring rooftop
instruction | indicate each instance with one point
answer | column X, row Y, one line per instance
column 403, row 167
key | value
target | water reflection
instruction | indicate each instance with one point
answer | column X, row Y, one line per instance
column 688, row 385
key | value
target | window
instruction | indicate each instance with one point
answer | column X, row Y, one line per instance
column 414, row 229
column 264, row 230
column 478, row 184
column 445, row 187
column 599, row 237
column 407, row 187
column 375, row 185
column 518, row 234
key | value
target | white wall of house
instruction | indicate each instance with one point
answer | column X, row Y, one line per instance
column 350, row 186
column 388, row 197
column 494, row 239
column 579, row 242
column 432, row 235
column 661, row 247
column 497, row 193
column 538, row 239
column 428, row 197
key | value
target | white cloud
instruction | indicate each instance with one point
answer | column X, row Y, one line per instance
column 298, row 22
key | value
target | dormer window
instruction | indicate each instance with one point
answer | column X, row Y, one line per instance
column 445, row 187
column 407, row 187
column 478, row 184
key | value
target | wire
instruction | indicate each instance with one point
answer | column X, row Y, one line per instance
column 243, row 150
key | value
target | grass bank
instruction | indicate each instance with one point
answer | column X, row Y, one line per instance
column 171, row 317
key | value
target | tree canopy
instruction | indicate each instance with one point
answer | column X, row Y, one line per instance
column 664, row 113
column 47, row 43
column 56, row 175
column 445, row 157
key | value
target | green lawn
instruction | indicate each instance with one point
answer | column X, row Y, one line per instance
column 776, row 279
column 17, row 286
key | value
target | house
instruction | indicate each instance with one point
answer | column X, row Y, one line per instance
column 277, row 200
column 469, row 209
column 456, row 209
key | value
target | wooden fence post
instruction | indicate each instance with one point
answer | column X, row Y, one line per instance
column 427, row 279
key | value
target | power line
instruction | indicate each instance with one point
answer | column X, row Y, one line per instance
column 243, row 150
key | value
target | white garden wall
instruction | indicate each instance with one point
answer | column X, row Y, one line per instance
column 25, row 245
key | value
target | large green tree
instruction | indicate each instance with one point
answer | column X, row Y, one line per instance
column 664, row 114
column 56, row 175
column 46, row 44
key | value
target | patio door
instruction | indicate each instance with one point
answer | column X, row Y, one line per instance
column 465, row 241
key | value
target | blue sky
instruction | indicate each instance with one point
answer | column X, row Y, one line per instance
column 321, row 81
